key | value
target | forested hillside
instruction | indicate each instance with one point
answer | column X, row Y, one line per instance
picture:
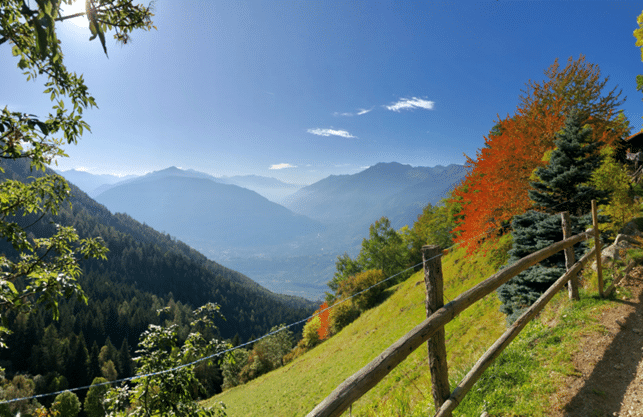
column 144, row 271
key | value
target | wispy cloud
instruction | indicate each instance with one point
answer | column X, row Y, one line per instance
column 282, row 166
column 410, row 104
column 330, row 132
column 359, row 113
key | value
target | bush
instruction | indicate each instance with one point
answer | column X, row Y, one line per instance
column 94, row 401
column 342, row 314
column 310, row 337
column 231, row 367
column 67, row 404
column 360, row 282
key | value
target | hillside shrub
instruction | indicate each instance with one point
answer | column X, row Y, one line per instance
column 66, row 404
column 612, row 177
column 385, row 249
column 360, row 282
column 93, row 405
column 241, row 366
column 310, row 333
column 231, row 367
column 342, row 314
column 258, row 364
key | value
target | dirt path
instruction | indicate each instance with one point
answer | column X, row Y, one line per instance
column 609, row 379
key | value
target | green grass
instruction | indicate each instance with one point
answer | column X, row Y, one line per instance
column 521, row 382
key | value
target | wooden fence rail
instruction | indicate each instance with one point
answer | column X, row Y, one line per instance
column 496, row 349
column 431, row 330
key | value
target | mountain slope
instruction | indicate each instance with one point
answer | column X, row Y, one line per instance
column 527, row 379
column 271, row 188
column 298, row 387
column 203, row 212
column 145, row 260
column 397, row 191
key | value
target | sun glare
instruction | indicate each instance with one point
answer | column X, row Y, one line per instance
column 77, row 6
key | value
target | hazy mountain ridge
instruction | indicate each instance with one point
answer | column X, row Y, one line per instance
column 386, row 189
column 92, row 183
column 199, row 209
column 268, row 187
column 273, row 189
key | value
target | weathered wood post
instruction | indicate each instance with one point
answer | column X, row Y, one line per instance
column 432, row 259
column 570, row 258
column 597, row 243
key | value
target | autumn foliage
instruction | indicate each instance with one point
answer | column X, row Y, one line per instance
column 495, row 188
column 324, row 317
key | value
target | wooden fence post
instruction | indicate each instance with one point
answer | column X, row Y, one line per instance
column 432, row 259
column 597, row 243
column 570, row 258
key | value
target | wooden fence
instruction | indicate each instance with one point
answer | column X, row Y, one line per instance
column 431, row 330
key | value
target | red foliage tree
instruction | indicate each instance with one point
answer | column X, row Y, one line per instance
column 324, row 317
column 496, row 186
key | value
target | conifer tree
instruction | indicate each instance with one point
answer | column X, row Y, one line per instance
column 564, row 182
column 125, row 360
column 563, row 186
column 93, row 364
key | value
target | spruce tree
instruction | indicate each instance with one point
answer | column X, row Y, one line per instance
column 125, row 360
column 565, row 182
column 563, row 186
column 93, row 363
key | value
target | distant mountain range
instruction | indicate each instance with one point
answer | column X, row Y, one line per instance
column 271, row 188
column 289, row 249
column 92, row 183
column 396, row 191
column 195, row 208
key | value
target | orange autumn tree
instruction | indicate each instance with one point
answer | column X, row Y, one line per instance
column 323, row 312
column 497, row 183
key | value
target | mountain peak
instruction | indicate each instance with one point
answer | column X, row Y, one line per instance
column 171, row 170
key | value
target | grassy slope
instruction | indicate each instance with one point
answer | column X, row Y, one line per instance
column 521, row 382
column 296, row 388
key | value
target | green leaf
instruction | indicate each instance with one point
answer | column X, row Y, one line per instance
column 41, row 39
column 43, row 127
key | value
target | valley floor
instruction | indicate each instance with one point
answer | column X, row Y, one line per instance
column 609, row 365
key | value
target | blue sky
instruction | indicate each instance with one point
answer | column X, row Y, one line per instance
column 301, row 90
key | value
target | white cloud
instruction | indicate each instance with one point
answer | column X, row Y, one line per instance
column 282, row 166
column 359, row 113
column 411, row 103
column 329, row 132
